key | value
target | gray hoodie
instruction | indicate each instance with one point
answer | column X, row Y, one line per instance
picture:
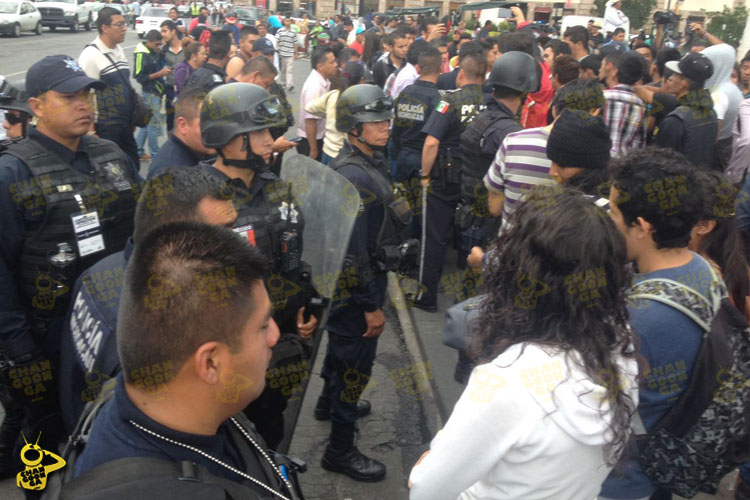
column 727, row 96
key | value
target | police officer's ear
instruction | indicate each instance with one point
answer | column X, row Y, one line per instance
column 37, row 105
column 208, row 361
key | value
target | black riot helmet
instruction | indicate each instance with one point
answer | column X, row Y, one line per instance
column 362, row 103
column 236, row 109
column 516, row 71
column 13, row 97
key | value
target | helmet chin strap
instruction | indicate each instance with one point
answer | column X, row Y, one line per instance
column 371, row 146
column 251, row 161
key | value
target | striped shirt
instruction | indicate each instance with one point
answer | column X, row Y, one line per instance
column 520, row 164
column 114, row 104
column 625, row 116
column 286, row 40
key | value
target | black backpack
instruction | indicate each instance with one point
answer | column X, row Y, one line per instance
column 706, row 433
column 150, row 478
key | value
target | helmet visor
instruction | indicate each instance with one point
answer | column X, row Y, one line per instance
column 381, row 104
column 267, row 113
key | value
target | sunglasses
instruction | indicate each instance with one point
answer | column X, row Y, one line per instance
column 13, row 119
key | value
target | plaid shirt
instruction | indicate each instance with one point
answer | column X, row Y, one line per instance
column 625, row 116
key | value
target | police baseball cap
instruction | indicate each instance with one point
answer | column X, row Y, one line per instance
column 59, row 73
column 694, row 66
column 264, row 46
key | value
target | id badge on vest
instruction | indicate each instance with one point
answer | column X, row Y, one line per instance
column 88, row 232
column 247, row 232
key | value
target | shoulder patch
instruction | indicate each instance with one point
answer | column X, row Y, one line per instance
column 442, row 107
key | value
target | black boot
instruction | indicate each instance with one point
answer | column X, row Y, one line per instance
column 323, row 408
column 343, row 457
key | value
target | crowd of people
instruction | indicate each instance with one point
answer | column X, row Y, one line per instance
column 596, row 185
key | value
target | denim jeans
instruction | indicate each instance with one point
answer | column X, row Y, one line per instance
column 154, row 128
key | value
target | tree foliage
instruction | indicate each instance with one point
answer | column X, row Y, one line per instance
column 638, row 11
column 728, row 24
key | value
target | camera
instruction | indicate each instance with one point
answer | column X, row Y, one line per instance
column 666, row 17
column 401, row 258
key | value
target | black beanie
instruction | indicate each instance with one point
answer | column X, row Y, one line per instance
column 580, row 140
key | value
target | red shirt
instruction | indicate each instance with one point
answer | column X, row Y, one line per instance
column 355, row 45
column 537, row 104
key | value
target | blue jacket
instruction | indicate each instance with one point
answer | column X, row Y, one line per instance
column 148, row 62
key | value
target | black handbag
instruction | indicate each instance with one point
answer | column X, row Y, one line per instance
column 142, row 114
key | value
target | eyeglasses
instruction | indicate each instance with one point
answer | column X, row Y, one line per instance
column 118, row 25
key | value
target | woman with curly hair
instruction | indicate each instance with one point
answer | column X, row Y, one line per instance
column 548, row 413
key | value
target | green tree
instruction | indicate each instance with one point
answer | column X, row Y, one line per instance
column 638, row 11
column 728, row 24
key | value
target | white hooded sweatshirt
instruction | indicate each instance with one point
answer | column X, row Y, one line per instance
column 727, row 96
column 528, row 426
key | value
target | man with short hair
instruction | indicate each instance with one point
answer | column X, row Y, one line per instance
column 172, row 54
column 691, row 128
column 625, row 114
column 66, row 200
column 105, row 60
column 412, row 109
column 342, row 30
column 263, row 33
column 183, row 148
column 655, row 201
column 408, row 73
column 441, row 167
column 431, row 29
column 382, row 69
column 287, row 43
column 211, row 357
column 89, row 348
column 564, row 69
column 648, row 53
column 318, row 82
column 590, row 66
column 212, row 73
column 577, row 38
column 174, row 16
column 248, row 36
column 150, row 73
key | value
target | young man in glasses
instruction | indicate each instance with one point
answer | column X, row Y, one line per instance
column 104, row 59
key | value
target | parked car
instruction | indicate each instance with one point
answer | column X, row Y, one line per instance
column 126, row 10
column 16, row 17
column 150, row 19
column 67, row 14
column 248, row 16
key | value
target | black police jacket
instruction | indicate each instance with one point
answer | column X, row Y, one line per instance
column 412, row 108
column 43, row 184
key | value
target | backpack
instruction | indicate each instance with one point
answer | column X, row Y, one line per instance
column 146, row 477
column 706, row 433
column 205, row 37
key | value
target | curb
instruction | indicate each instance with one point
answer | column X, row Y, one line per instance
column 415, row 350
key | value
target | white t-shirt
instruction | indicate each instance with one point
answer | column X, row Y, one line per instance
column 529, row 426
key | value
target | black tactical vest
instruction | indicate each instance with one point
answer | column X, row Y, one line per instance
column 474, row 164
column 259, row 216
column 109, row 189
column 700, row 130
column 397, row 214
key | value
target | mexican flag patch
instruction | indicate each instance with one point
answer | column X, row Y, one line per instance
column 442, row 107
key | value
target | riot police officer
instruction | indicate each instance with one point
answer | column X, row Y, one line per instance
column 17, row 116
column 17, row 111
column 356, row 320
column 441, row 164
column 235, row 120
column 66, row 201
column 513, row 75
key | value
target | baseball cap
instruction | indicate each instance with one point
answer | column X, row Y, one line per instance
column 360, row 30
column 60, row 73
column 230, row 17
column 694, row 66
column 264, row 46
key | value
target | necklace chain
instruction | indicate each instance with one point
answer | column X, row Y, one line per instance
column 227, row 466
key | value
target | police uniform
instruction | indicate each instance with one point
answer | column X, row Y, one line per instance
column 479, row 145
column 446, row 124
column 262, row 221
column 61, row 212
column 411, row 111
column 207, row 77
column 349, row 358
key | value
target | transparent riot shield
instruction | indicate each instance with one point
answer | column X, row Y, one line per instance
column 329, row 204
